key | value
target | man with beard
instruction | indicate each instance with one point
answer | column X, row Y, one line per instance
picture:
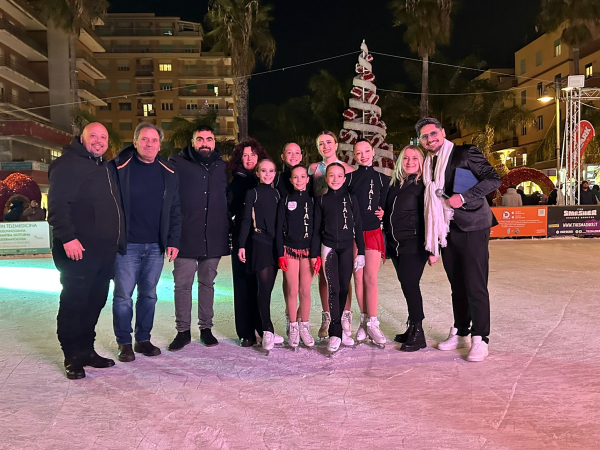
column 458, row 219
column 204, row 233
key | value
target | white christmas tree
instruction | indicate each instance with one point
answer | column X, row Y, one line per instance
column 363, row 118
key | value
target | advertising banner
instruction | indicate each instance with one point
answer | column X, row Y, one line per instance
column 520, row 221
column 573, row 221
column 24, row 237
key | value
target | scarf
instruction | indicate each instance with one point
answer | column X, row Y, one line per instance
column 437, row 214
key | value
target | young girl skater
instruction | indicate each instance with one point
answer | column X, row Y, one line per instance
column 260, row 212
column 295, row 226
column 370, row 188
column 327, row 145
column 337, row 219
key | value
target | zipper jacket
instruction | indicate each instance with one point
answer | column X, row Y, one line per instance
column 404, row 221
column 295, row 222
column 337, row 222
column 283, row 184
column 260, row 214
column 370, row 188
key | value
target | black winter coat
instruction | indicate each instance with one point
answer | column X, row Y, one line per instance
column 83, row 199
column 170, row 217
column 203, row 199
column 241, row 183
column 260, row 214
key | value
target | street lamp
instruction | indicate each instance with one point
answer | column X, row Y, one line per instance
column 545, row 98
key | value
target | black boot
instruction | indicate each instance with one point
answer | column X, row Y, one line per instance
column 93, row 359
column 74, row 368
column 401, row 338
column 182, row 339
column 207, row 337
column 416, row 338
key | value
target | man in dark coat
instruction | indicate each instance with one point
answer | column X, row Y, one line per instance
column 587, row 196
column 460, row 222
column 204, row 233
column 149, row 190
column 87, row 226
column 34, row 213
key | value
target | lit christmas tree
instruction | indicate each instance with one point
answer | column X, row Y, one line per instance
column 363, row 118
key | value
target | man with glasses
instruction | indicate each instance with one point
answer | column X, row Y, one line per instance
column 204, row 233
column 457, row 224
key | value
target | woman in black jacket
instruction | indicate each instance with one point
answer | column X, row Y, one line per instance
column 404, row 225
column 241, row 166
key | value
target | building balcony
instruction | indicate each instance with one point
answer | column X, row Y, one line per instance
column 151, row 49
column 160, row 32
column 21, row 109
column 21, row 75
column 87, row 64
column 506, row 144
column 90, row 93
column 142, row 113
column 23, row 13
column 204, row 93
column 18, row 40
column 91, row 40
column 203, row 73
column 184, row 112
column 146, row 92
column 144, row 73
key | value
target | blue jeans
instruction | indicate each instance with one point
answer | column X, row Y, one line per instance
column 141, row 266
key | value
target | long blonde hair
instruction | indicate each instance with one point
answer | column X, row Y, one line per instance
column 399, row 175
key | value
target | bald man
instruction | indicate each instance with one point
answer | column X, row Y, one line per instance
column 87, row 226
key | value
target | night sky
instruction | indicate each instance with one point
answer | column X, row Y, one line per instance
column 308, row 30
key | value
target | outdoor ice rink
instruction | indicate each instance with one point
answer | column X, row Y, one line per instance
column 539, row 388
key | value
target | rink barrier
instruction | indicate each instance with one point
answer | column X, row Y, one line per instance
column 17, row 238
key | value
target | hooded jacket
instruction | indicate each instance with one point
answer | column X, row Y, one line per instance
column 83, row 199
column 170, row 217
column 512, row 198
column 203, row 199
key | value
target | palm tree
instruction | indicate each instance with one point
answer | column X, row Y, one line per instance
column 581, row 17
column 240, row 28
column 181, row 131
column 328, row 100
column 428, row 25
column 71, row 16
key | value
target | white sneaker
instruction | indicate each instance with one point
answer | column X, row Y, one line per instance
column 277, row 339
column 334, row 344
column 305, row 335
column 453, row 341
column 347, row 340
column 347, row 322
column 374, row 332
column 267, row 340
column 361, row 333
column 479, row 350
column 287, row 325
column 325, row 321
column 294, row 338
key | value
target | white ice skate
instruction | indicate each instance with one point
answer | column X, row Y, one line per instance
column 375, row 333
column 294, row 338
column 268, row 341
column 347, row 322
column 287, row 325
column 305, row 335
column 277, row 340
column 334, row 345
column 347, row 340
column 361, row 333
column 325, row 321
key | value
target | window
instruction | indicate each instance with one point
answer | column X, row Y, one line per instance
column 123, row 85
column 165, row 67
column 125, row 126
column 55, row 154
column 214, row 106
column 148, row 109
column 189, row 48
column 104, row 86
column 538, row 58
column 589, row 70
column 123, row 67
column 214, row 88
column 540, row 90
column 166, row 48
column 124, row 106
column 165, row 125
column 557, row 47
column 524, row 130
column 166, row 86
column 107, row 107
column 540, row 122
column 524, row 159
column 166, row 106
column 191, row 106
column 523, row 67
column 523, row 97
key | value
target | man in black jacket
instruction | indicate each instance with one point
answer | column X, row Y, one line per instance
column 204, row 233
column 149, row 190
column 87, row 226
column 460, row 222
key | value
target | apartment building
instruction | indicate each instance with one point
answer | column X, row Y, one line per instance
column 156, row 70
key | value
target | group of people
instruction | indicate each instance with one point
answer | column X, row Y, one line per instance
column 118, row 219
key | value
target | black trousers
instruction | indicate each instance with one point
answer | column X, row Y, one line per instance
column 266, row 280
column 466, row 261
column 85, row 288
column 337, row 266
column 409, row 270
column 245, row 291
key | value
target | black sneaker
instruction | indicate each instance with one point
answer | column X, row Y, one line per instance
column 146, row 348
column 182, row 339
column 95, row 360
column 207, row 337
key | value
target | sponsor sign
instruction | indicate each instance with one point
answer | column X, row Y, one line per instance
column 573, row 221
column 587, row 134
column 24, row 237
column 520, row 221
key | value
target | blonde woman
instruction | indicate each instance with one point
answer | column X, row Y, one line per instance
column 404, row 225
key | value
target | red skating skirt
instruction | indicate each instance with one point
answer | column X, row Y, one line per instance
column 374, row 241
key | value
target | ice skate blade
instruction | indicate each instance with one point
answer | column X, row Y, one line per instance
column 380, row 346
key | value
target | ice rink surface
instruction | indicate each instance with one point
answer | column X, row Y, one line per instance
column 539, row 388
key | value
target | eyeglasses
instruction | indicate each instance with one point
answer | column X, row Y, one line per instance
column 433, row 135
